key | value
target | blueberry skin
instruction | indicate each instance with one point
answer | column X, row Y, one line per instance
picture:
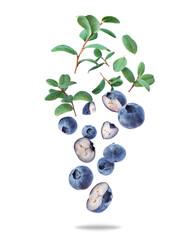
column 89, row 131
column 86, row 109
column 118, row 95
column 131, row 116
column 67, row 125
column 106, row 200
column 114, row 153
column 104, row 167
column 81, row 177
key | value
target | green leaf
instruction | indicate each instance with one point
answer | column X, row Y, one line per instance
column 52, row 82
column 97, row 53
column 63, row 108
column 112, row 88
column 82, row 95
column 68, row 98
column 141, row 69
column 94, row 24
column 144, row 84
column 63, row 79
column 108, row 32
column 88, row 60
column 64, row 48
column 127, row 73
column 98, row 46
column 67, row 84
column 116, row 81
column 53, row 90
column 99, row 88
column 109, row 55
column 119, row 64
column 83, row 22
column 95, row 67
column 110, row 19
column 85, row 34
column 52, row 96
column 149, row 78
column 129, row 44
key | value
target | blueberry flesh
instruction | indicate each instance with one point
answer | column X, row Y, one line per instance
column 80, row 177
column 104, row 167
column 67, row 125
column 114, row 100
column 109, row 130
column 89, row 131
column 114, row 153
column 84, row 149
column 131, row 116
column 100, row 198
column 89, row 108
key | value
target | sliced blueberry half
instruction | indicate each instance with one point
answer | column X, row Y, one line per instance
column 109, row 130
column 100, row 198
column 89, row 108
column 84, row 149
column 114, row 100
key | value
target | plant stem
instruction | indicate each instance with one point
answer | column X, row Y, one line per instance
column 106, row 79
column 105, row 61
column 78, row 56
column 133, row 84
column 71, row 102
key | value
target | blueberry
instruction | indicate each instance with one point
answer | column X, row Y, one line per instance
column 114, row 100
column 100, row 198
column 84, row 149
column 114, row 153
column 89, row 131
column 104, row 167
column 80, row 177
column 109, row 130
column 131, row 115
column 67, row 125
column 89, row 108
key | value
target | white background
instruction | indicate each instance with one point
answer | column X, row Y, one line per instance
column 153, row 187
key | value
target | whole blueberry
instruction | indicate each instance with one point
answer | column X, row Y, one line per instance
column 100, row 198
column 80, row 177
column 89, row 131
column 114, row 100
column 114, row 153
column 131, row 116
column 67, row 125
column 89, row 108
column 104, row 167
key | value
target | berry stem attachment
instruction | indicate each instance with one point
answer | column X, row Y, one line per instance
column 71, row 102
column 133, row 84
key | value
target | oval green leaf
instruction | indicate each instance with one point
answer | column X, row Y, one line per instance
column 116, row 81
column 94, row 24
column 82, row 95
column 53, row 90
column 64, row 48
column 63, row 79
column 141, row 69
column 63, row 108
column 99, row 88
column 98, row 46
column 149, row 78
column 119, row 64
column 83, row 22
column 87, row 60
column 52, row 82
column 129, row 44
column 97, row 53
column 85, row 34
column 67, row 84
column 144, row 84
column 109, row 55
column 68, row 98
column 127, row 73
column 108, row 32
column 110, row 19
column 52, row 96
column 95, row 67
